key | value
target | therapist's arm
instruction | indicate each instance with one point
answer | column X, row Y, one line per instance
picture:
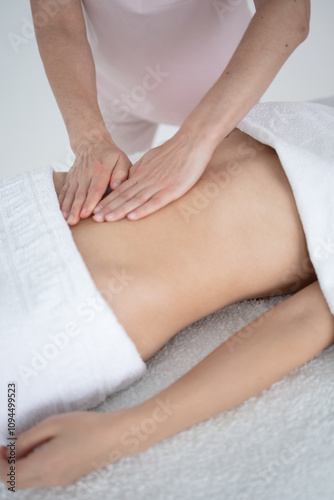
column 165, row 173
column 69, row 66
column 275, row 31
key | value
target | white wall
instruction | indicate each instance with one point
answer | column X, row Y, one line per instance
column 31, row 125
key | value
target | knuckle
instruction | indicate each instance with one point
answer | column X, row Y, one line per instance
column 95, row 190
column 141, row 197
column 159, row 198
column 172, row 193
column 120, row 173
column 67, row 203
column 64, row 188
column 79, row 196
column 75, row 210
column 123, row 197
column 102, row 171
column 99, row 168
column 73, row 187
column 82, row 172
column 123, row 161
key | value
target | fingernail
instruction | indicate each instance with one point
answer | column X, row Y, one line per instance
column 98, row 217
column 132, row 215
column 71, row 218
column 97, row 209
column 65, row 214
column 110, row 216
column 116, row 183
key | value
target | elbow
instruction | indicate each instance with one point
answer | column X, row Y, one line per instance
column 303, row 31
column 303, row 22
column 301, row 34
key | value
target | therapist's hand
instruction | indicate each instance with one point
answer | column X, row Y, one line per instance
column 98, row 164
column 162, row 175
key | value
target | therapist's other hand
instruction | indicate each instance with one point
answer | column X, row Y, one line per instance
column 162, row 175
column 97, row 165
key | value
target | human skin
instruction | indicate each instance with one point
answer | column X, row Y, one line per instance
column 167, row 172
column 186, row 262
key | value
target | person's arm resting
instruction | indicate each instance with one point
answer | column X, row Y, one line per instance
column 250, row 361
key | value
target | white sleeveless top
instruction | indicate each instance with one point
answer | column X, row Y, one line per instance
column 156, row 59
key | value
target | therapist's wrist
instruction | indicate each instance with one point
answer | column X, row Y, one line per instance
column 85, row 138
column 204, row 133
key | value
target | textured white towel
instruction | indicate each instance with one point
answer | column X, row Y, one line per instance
column 303, row 136
column 59, row 340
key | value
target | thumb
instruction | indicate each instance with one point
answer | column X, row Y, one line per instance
column 121, row 171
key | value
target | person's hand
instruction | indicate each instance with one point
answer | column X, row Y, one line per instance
column 63, row 448
column 162, row 175
column 97, row 165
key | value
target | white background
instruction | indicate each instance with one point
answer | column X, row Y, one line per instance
column 32, row 130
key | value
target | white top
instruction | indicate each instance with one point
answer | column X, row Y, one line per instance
column 156, row 59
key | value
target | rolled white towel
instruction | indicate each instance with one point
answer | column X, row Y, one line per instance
column 60, row 342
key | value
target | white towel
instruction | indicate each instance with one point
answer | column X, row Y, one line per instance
column 303, row 136
column 59, row 340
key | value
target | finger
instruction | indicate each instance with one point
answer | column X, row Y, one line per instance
column 118, row 192
column 62, row 195
column 124, row 192
column 28, row 465
column 35, row 436
column 4, row 468
column 125, row 205
column 68, row 200
column 79, row 199
column 36, row 469
column 159, row 200
column 120, row 172
column 96, row 190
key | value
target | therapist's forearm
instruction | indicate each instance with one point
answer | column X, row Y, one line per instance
column 70, row 68
column 276, row 29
